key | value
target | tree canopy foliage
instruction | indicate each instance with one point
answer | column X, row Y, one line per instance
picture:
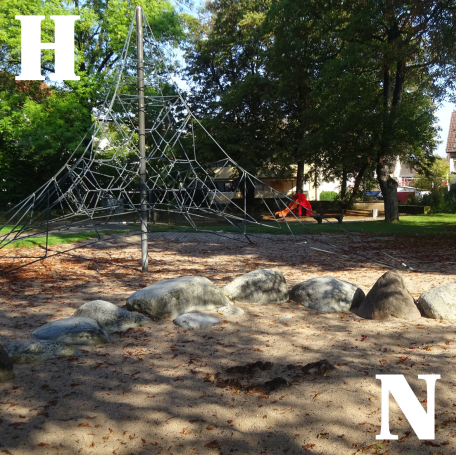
column 40, row 125
column 435, row 177
column 231, row 91
column 346, row 87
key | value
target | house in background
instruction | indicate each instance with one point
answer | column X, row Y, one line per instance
column 225, row 183
column 451, row 146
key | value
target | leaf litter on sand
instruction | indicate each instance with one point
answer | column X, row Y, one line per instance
column 67, row 283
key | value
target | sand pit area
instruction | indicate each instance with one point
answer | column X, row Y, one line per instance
column 151, row 389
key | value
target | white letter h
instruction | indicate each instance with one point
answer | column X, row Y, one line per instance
column 31, row 46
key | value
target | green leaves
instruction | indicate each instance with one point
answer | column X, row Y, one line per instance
column 41, row 126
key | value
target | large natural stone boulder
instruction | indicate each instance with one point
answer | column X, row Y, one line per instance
column 110, row 316
column 177, row 296
column 6, row 366
column 260, row 286
column 73, row 331
column 38, row 351
column 327, row 294
column 195, row 320
column 439, row 303
column 389, row 298
column 231, row 311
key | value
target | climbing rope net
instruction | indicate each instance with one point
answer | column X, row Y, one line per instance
column 100, row 181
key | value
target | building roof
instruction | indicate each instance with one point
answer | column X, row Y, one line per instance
column 451, row 141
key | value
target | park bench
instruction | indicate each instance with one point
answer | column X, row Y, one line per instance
column 339, row 216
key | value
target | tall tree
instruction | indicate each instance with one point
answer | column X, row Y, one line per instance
column 231, row 89
column 410, row 47
column 378, row 65
column 40, row 128
column 301, row 40
column 435, row 176
column 38, row 133
column 99, row 37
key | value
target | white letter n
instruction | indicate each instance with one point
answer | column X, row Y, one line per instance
column 31, row 46
column 421, row 422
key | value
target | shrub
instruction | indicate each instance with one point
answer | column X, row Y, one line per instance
column 328, row 195
column 412, row 199
column 441, row 200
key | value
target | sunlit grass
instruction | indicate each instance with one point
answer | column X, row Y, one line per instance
column 444, row 224
column 57, row 239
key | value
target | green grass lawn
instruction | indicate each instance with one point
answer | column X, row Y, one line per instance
column 58, row 239
column 443, row 225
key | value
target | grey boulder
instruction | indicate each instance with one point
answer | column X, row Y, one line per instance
column 6, row 366
column 195, row 320
column 439, row 303
column 77, row 330
column 231, row 311
column 177, row 296
column 38, row 351
column 389, row 298
column 327, row 294
column 261, row 286
column 110, row 316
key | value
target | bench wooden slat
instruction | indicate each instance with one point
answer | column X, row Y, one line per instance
column 338, row 216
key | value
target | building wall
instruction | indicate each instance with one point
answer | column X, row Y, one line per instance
column 451, row 157
column 286, row 186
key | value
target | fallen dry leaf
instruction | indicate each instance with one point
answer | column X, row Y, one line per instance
column 430, row 443
column 406, row 436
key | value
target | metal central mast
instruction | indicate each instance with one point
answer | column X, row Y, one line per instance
column 142, row 141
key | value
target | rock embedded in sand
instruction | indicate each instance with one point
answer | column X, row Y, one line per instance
column 389, row 298
column 177, row 296
column 261, row 286
column 439, row 303
column 6, row 366
column 110, row 316
column 75, row 330
column 231, row 311
column 328, row 294
column 195, row 320
column 38, row 351
column 320, row 368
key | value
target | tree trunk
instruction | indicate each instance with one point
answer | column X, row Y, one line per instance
column 343, row 184
column 315, row 184
column 392, row 100
column 300, row 177
column 356, row 185
column 250, row 196
column 389, row 191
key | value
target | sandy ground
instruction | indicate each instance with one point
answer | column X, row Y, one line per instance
column 146, row 393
